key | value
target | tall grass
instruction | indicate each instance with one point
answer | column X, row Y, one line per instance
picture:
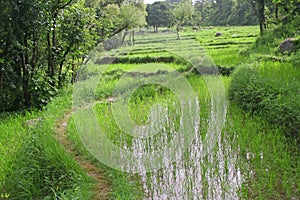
column 270, row 161
column 269, row 90
column 36, row 166
column 266, row 160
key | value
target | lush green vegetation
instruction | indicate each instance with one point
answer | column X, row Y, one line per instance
column 264, row 148
column 268, row 85
column 271, row 91
column 43, row 43
column 266, row 90
column 33, row 164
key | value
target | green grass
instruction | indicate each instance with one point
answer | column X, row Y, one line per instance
column 225, row 50
column 270, row 90
column 265, row 156
column 35, row 166
column 124, row 185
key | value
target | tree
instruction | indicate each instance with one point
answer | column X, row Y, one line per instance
column 77, row 36
column 131, row 16
column 259, row 8
column 159, row 14
column 261, row 15
column 20, row 28
column 41, row 42
column 278, row 11
column 224, row 12
column 202, row 10
column 182, row 12
column 242, row 14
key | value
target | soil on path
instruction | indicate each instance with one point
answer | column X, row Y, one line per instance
column 102, row 188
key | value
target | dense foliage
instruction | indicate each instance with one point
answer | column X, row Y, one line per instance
column 159, row 14
column 204, row 13
column 44, row 42
column 225, row 12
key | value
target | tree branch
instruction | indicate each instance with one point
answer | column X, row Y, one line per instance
column 68, row 3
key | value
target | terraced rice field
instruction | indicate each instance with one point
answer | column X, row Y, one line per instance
column 169, row 121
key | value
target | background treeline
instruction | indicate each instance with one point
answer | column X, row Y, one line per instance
column 204, row 13
column 223, row 12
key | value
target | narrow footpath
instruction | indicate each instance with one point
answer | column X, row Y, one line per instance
column 102, row 189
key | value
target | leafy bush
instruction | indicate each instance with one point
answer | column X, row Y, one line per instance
column 42, row 89
column 276, row 101
column 10, row 94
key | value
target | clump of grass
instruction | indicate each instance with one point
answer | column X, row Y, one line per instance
column 12, row 134
column 269, row 92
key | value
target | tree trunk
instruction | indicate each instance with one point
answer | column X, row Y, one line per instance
column 25, row 75
column 50, row 57
column 51, row 41
column 124, row 36
column 261, row 16
column 53, row 50
column 73, row 71
column 34, row 57
column 132, row 38
column 61, row 66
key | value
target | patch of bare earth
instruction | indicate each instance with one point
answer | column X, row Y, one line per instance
column 102, row 188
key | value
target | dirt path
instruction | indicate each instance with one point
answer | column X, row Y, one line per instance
column 102, row 188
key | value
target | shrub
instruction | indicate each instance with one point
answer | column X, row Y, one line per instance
column 258, row 94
